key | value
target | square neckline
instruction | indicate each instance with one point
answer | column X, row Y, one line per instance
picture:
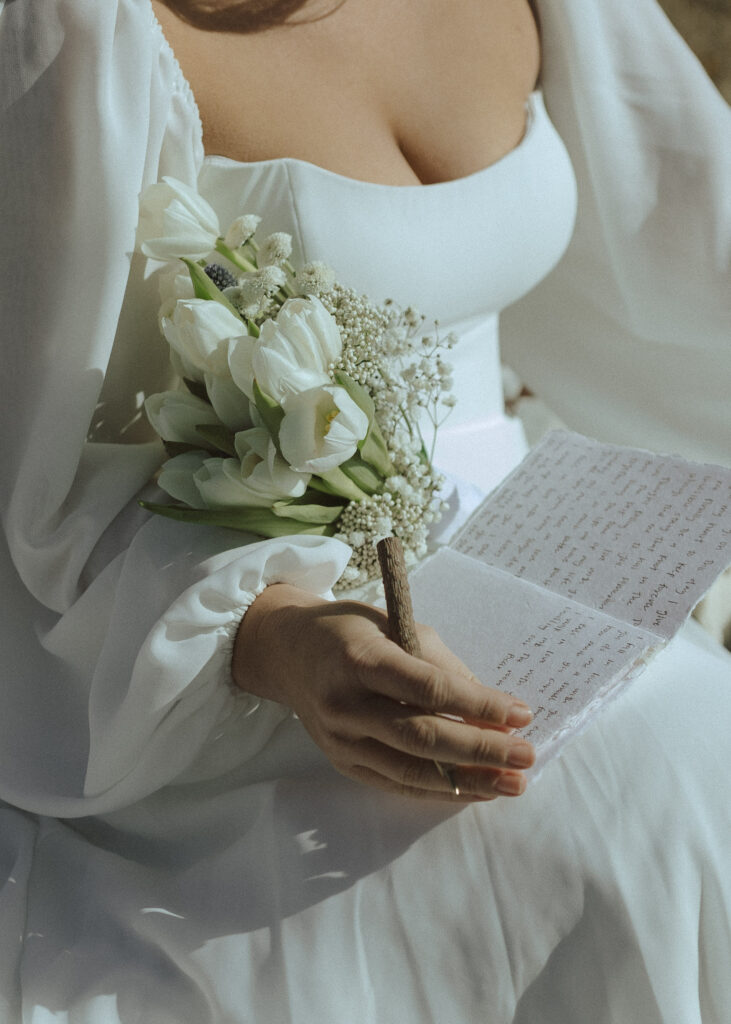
column 186, row 89
column 532, row 106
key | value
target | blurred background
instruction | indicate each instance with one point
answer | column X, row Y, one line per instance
column 706, row 25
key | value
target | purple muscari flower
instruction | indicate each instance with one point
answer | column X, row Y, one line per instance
column 221, row 277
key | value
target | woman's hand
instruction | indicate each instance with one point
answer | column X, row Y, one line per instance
column 375, row 711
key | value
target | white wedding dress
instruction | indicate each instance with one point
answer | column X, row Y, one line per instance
column 175, row 853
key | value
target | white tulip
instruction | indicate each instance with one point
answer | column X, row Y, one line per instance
column 176, row 414
column 231, row 405
column 294, row 352
column 321, row 429
column 199, row 331
column 177, row 477
column 175, row 221
column 174, row 284
column 259, row 477
column 241, row 364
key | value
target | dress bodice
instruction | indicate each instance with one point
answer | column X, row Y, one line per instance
column 458, row 251
column 454, row 250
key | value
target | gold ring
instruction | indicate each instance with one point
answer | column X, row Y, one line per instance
column 446, row 773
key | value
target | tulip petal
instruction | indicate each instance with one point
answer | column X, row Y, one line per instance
column 230, row 403
column 175, row 221
column 176, row 477
column 177, row 416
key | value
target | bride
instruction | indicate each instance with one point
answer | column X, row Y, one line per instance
column 206, row 766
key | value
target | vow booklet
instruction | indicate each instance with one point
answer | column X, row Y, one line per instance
column 579, row 567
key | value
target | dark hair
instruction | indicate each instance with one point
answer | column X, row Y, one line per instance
column 237, row 15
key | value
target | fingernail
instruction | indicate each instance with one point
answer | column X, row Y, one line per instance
column 521, row 755
column 510, row 785
column 519, row 714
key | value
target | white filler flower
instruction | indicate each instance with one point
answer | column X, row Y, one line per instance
column 321, row 429
column 294, row 352
column 175, row 221
column 258, row 477
column 275, row 249
column 241, row 230
column 252, row 296
column 199, row 331
column 315, row 278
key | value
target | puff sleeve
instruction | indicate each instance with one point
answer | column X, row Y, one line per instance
column 627, row 340
column 117, row 629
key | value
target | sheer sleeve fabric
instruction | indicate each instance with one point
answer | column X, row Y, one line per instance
column 117, row 629
column 629, row 338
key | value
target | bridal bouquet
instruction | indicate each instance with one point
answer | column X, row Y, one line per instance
column 304, row 405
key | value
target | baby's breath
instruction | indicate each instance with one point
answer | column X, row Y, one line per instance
column 404, row 515
column 386, row 350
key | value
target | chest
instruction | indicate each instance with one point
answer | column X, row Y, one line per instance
column 408, row 93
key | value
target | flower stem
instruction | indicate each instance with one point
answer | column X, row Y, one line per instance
column 335, row 481
column 234, row 257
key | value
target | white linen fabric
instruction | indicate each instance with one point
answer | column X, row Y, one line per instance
column 173, row 852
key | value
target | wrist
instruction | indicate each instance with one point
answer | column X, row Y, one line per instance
column 265, row 639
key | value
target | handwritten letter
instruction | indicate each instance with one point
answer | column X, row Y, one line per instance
column 585, row 561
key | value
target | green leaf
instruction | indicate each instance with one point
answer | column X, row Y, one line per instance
column 339, row 483
column 261, row 521
column 308, row 513
column 358, row 393
column 204, row 287
column 173, row 448
column 314, row 497
column 373, row 451
column 317, row 484
column 363, row 475
column 219, row 436
column 270, row 411
column 372, row 448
